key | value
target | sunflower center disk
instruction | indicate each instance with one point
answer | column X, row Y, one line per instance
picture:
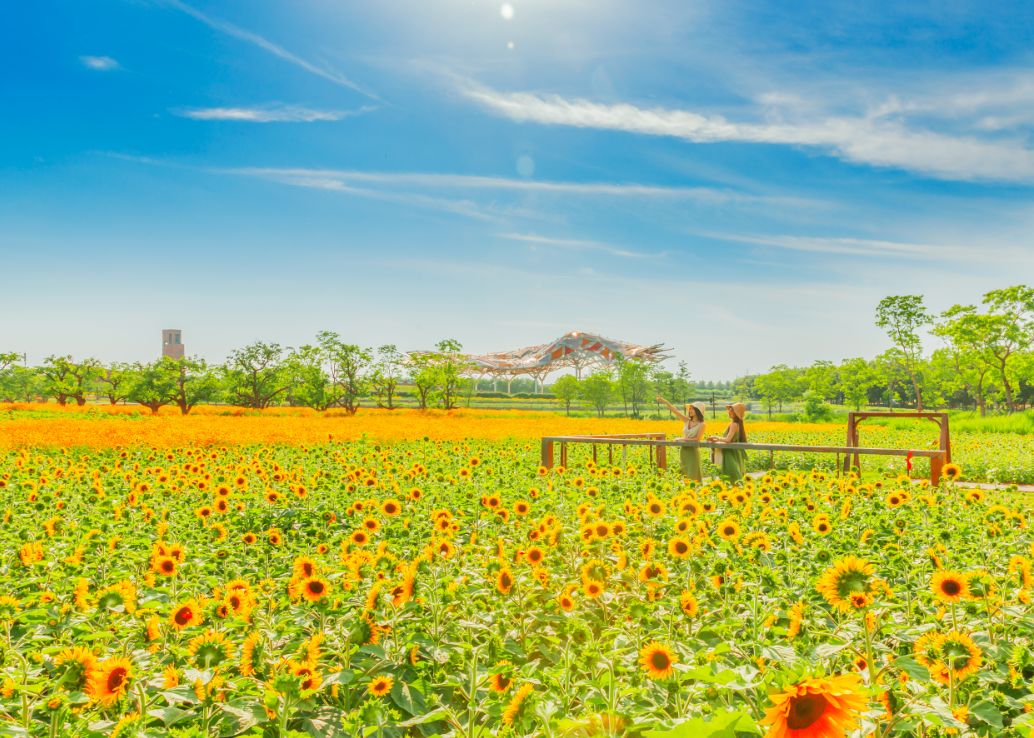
column 805, row 711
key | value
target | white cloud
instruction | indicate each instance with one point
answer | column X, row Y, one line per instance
column 582, row 245
column 873, row 248
column 868, row 139
column 269, row 114
column 437, row 180
column 331, row 75
column 99, row 63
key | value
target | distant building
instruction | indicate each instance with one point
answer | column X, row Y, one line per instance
column 172, row 343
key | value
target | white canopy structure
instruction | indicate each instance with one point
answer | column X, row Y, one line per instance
column 576, row 350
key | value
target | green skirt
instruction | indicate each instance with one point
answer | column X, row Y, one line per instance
column 734, row 464
column 690, row 460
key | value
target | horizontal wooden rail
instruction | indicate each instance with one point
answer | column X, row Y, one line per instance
column 937, row 457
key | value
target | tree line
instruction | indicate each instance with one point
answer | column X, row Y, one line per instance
column 984, row 361
column 326, row 374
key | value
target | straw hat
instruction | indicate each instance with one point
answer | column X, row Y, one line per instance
column 701, row 407
column 739, row 409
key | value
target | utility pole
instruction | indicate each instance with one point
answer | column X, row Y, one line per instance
column 714, row 407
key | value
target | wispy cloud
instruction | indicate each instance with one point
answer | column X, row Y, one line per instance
column 269, row 114
column 327, row 73
column 437, row 180
column 582, row 245
column 99, row 63
column 870, row 140
column 862, row 247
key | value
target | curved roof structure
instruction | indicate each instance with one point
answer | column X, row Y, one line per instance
column 576, row 349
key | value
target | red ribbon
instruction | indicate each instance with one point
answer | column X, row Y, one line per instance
column 908, row 461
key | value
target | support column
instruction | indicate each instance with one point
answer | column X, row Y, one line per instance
column 547, row 453
column 936, row 464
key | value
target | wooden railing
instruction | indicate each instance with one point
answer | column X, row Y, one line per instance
column 658, row 444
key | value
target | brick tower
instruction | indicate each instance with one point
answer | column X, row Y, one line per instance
column 172, row 343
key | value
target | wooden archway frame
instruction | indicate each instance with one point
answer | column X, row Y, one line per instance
column 941, row 419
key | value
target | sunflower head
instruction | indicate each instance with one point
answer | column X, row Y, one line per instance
column 817, row 708
column 504, row 581
column 380, row 686
column 186, row 614
column 315, row 588
column 210, row 649
column 949, row 586
column 109, row 680
column 847, row 577
column 657, row 660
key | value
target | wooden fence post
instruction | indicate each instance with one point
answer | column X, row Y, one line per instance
column 936, row 464
column 662, row 457
column 547, row 453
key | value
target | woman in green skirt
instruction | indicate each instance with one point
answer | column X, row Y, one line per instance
column 692, row 430
column 732, row 461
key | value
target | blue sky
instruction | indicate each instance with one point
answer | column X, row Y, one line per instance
column 742, row 181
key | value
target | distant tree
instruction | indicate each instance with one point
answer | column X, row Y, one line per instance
column 778, row 385
column 113, row 382
column 8, row 364
column 8, row 360
column 890, row 368
column 855, row 378
column 821, row 377
column 257, row 375
column 387, row 373
column 567, row 389
column 965, row 332
column 815, row 408
column 674, row 385
column 424, row 378
column 901, row 316
column 67, row 379
column 1009, row 330
column 311, row 386
column 195, row 383
column 18, row 383
column 348, row 369
column 450, row 366
column 597, row 390
column 943, row 384
column 633, row 382
column 22, row 384
column 154, row 385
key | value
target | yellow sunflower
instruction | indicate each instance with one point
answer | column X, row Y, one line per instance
column 504, row 581
column 950, row 586
column 109, row 680
column 828, row 707
column 315, row 588
column 729, row 529
column 679, row 547
column 657, row 660
column 848, row 576
column 380, row 686
column 513, row 708
column 688, row 604
column 186, row 614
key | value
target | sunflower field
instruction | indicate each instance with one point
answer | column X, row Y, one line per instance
column 454, row 588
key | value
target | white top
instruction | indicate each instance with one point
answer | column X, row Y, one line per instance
column 692, row 434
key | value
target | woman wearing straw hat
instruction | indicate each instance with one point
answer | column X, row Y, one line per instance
column 732, row 461
column 692, row 430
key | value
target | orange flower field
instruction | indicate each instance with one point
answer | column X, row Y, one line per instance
column 122, row 425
